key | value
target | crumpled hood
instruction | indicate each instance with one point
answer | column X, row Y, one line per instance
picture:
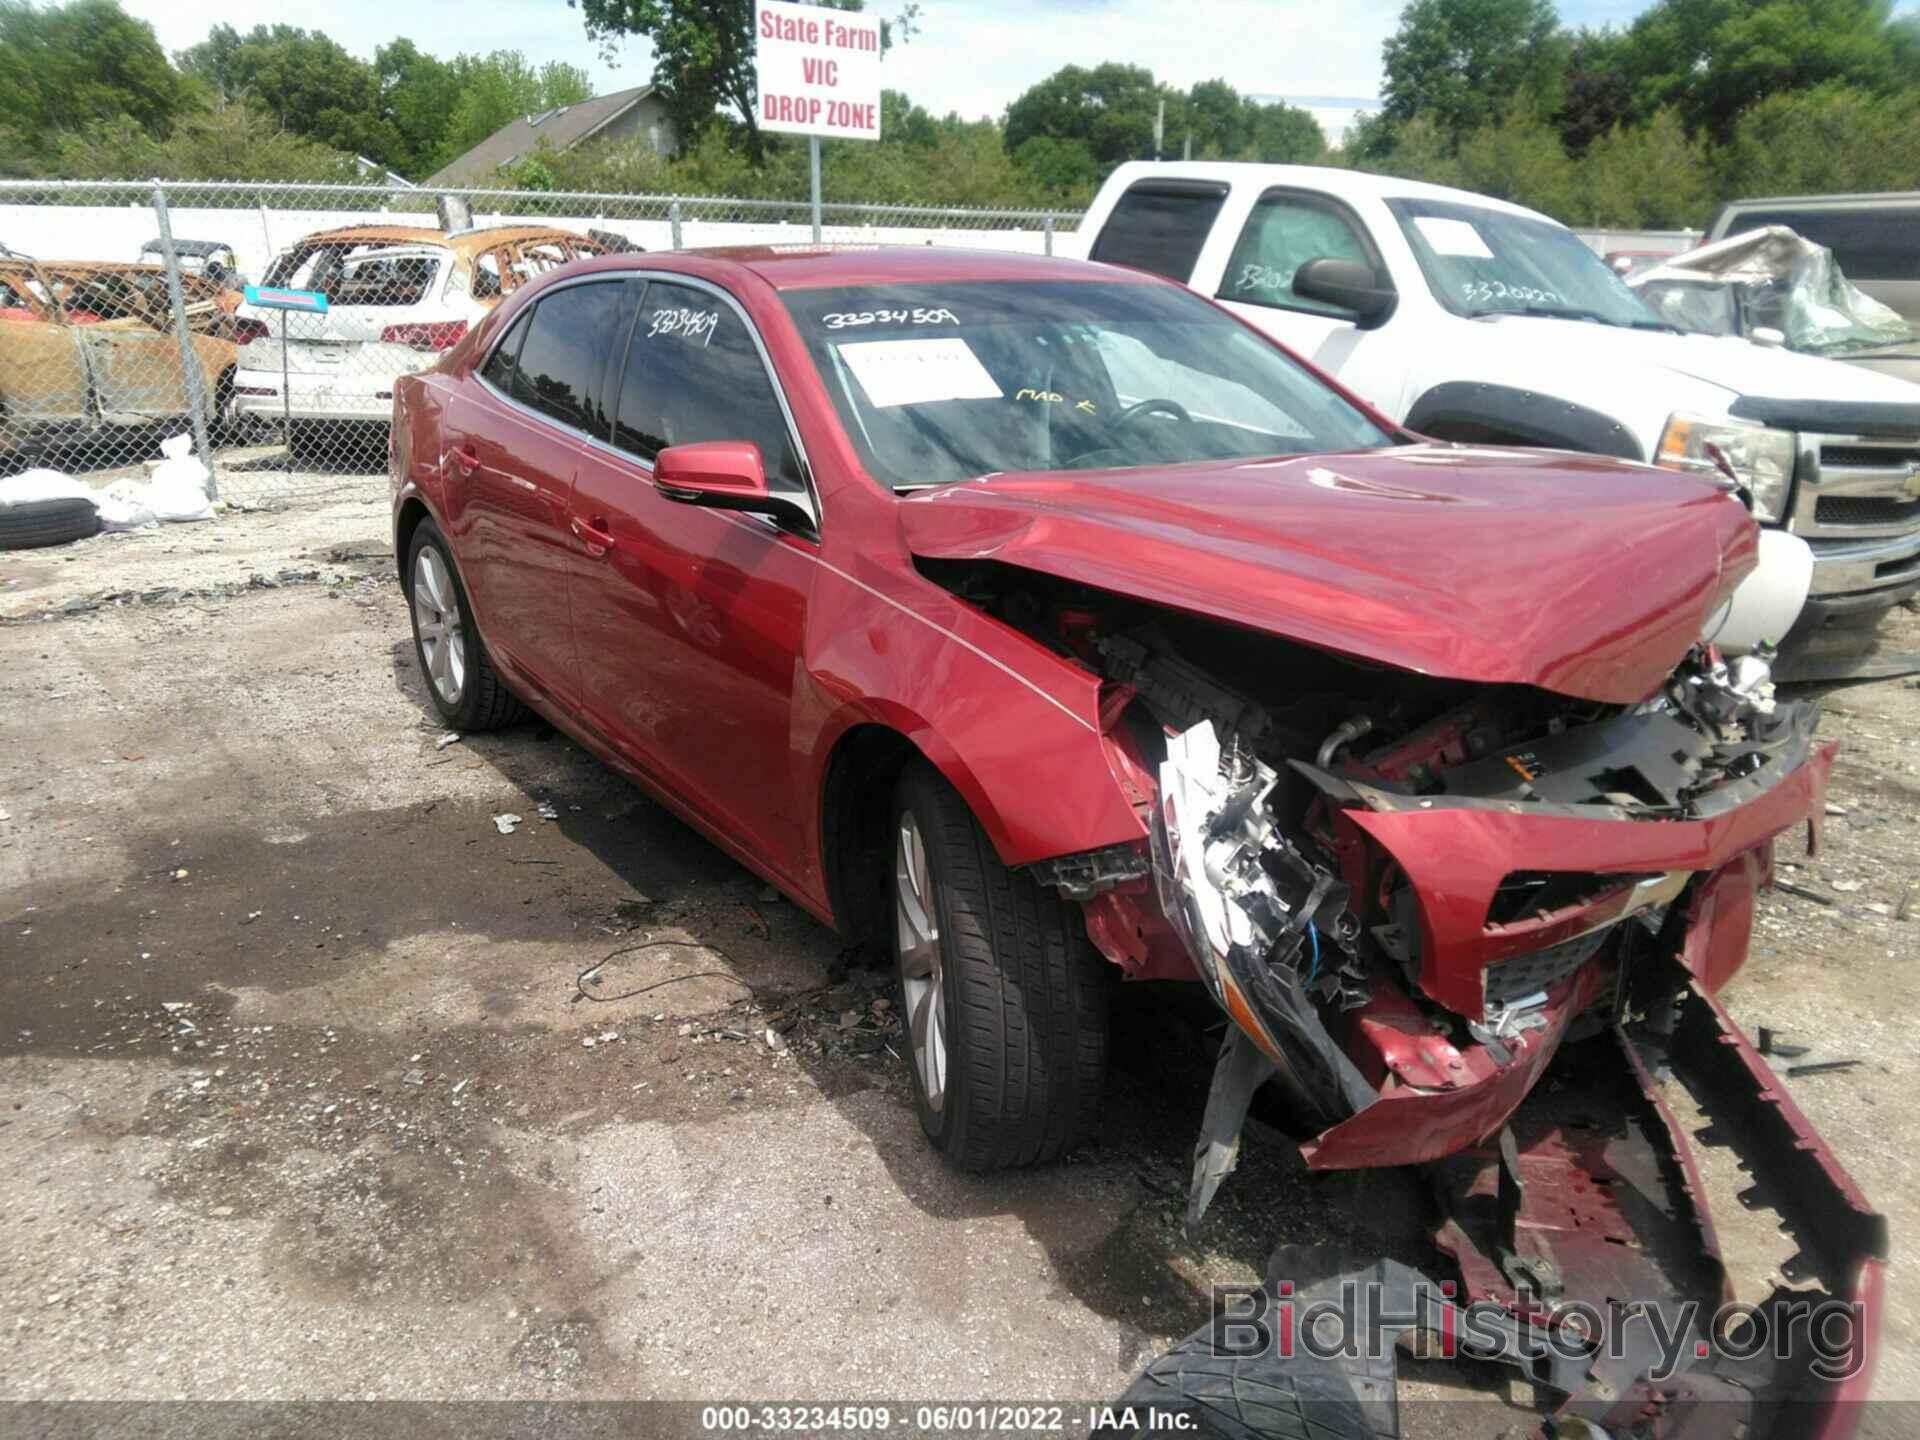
column 1578, row 574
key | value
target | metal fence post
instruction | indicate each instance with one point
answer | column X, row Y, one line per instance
column 1049, row 229
column 673, row 219
column 189, row 359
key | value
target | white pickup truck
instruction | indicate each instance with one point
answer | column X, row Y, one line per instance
column 1471, row 319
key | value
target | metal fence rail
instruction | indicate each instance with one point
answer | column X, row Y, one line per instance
column 122, row 320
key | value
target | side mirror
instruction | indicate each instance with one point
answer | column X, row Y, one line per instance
column 1766, row 335
column 724, row 475
column 1349, row 284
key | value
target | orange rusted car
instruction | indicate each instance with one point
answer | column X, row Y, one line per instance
column 89, row 346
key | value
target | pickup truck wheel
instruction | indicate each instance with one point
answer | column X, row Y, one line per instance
column 459, row 675
column 1002, row 996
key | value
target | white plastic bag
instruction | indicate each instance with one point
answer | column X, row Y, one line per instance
column 123, row 506
column 42, row 484
column 178, row 489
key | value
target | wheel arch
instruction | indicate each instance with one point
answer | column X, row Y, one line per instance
column 1505, row 414
column 406, row 520
column 857, row 778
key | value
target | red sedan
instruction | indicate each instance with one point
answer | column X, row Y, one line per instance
column 1051, row 623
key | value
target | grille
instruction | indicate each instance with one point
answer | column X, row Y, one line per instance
column 1865, row 510
column 1866, row 457
column 1525, row 975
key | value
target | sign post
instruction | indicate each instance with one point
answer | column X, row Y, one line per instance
column 307, row 302
column 819, row 74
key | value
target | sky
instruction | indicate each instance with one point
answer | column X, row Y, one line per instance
column 973, row 56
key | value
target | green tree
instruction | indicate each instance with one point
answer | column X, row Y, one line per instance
column 1653, row 175
column 1519, row 158
column 1286, row 135
column 1711, row 59
column 494, row 89
column 703, row 52
column 70, row 66
column 225, row 140
column 1831, row 139
column 417, row 95
column 305, row 80
column 1110, row 109
column 1058, row 167
column 1596, row 91
column 1464, row 61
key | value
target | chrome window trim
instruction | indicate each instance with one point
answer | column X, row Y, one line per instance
column 810, row 500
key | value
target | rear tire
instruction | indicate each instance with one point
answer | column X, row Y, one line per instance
column 454, row 664
column 998, row 969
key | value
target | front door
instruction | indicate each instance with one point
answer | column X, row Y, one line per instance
column 1284, row 230
column 513, row 443
column 689, row 622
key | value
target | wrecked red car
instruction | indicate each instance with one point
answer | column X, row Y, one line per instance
column 1047, row 621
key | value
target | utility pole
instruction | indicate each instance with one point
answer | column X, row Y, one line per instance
column 1159, row 127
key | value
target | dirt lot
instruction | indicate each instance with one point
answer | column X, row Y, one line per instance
column 302, row 1093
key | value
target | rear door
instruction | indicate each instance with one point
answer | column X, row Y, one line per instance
column 124, row 323
column 689, row 622
column 514, row 437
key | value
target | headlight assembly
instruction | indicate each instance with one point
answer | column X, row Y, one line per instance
column 1758, row 460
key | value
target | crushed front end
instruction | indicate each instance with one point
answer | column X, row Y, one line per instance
column 1411, row 926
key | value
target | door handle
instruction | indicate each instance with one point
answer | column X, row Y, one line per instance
column 593, row 534
column 466, row 460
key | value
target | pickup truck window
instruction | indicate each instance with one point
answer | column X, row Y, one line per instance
column 1282, row 234
column 937, row 383
column 1160, row 226
column 1489, row 262
column 1870, row 242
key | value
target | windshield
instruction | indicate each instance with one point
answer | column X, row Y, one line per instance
column 945, row 382
column 1487, row 262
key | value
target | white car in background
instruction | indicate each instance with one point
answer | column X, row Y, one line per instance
column 397, row 297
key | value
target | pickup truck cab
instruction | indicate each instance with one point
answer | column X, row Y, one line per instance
column 1474, row 320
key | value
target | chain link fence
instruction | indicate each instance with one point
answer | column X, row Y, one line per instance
column 123, row 317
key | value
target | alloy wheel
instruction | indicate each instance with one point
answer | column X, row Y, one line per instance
column 917, row 935
column 436, row 619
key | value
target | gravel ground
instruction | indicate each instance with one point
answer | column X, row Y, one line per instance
column 309, row 1088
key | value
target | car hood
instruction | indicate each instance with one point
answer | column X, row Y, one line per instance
column 1734, row 365
column 1582, row 575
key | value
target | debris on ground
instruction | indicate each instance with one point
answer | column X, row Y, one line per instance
column 452, row 737
column 505, row 823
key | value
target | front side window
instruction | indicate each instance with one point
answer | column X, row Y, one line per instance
column 569, row 339
column 693, row 373
column 944, row 382
column 1491, row 262
column 1283, row 233
column 1160, row 226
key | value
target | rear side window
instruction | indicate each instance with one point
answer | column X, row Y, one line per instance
column 564, row 356
column 693, row 373
column 1282, row 234
column 1160, row 226
column 501, row 365
column 1871, row 243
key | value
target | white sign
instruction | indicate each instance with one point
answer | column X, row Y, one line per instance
column 819, row 70
column 919, row 372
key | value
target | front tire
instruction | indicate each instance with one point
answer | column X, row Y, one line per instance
column 1003, row 998
column 454, row 663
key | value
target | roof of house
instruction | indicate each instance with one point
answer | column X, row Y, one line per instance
column 562, row 128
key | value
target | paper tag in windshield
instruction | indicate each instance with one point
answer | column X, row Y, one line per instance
column 1453, row 237
column 919, row 372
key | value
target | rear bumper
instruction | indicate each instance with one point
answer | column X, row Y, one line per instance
column 346, row 396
